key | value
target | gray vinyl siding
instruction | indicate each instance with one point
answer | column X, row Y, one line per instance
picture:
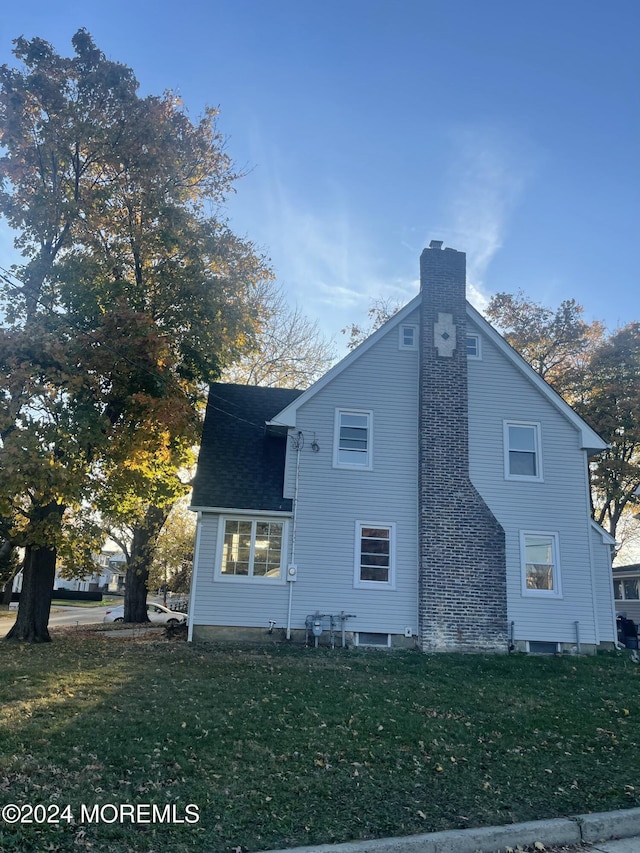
column 558, row 504
column 384, row 381
column 629, row 609
column 241, row 603
column 603, row 577
column 331, row 500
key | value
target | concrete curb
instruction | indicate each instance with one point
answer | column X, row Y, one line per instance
column 495, row 839
column 605, row 825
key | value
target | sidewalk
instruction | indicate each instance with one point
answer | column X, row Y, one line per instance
column 592, row 832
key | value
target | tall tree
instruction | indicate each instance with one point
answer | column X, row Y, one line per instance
column 290, row 350
column 598, row 374
column 173, row 558
column 554, row 342
column 380, row 310
column 610, row 401
column 132, row 297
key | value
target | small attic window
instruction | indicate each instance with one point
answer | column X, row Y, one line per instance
column 408, row 336
column 473, row 346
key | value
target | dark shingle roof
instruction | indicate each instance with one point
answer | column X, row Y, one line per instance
column 240, row 465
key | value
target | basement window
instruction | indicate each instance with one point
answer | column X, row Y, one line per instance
column 541, row 647
column 372, row 639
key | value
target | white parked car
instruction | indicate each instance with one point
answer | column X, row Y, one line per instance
column 157, row 613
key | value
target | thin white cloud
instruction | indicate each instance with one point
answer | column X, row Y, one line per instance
column 488, row 174
column 320, row 253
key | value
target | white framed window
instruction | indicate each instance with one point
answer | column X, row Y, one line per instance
column 626, row 589
column 250, row 549
column 408, row 336
column 375, row 548
column 473, row 346
column 540, row 554
column 522, row 453
column 352, row 439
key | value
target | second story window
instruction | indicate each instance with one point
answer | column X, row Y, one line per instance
column 352, row 439
column 522, row 457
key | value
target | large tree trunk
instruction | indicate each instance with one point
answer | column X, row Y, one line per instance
column 35, row 599
column 145, row 536
column 9, row 566
column 38, row 575
column 7, row 592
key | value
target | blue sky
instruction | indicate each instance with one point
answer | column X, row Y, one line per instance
column 508, row 129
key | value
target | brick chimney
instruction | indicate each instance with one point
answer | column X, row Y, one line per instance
column 462, row 576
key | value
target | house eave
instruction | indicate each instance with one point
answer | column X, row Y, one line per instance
column 225, row 510
column 590, row 441
column 607, row 538
column 287, row 417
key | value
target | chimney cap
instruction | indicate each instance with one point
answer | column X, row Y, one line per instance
column 435, row 244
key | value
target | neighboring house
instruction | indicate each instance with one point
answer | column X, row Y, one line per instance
column 109, row 577
column 626, row 588
column 430, row 490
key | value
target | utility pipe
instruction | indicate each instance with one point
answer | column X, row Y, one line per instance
column 298, row 447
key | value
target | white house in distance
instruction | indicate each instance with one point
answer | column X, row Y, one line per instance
column 108, row 577
column 431, row 491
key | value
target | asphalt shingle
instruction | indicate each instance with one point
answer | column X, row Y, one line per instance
column 240, row 465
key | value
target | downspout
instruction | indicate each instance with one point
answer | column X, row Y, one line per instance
column 298, row 447
column 194, row 578
column 595, row 604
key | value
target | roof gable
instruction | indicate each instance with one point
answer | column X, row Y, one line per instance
column 287, row 416
column 590, row 440
column 241, row 465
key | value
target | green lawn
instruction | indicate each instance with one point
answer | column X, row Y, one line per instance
column 281, row 746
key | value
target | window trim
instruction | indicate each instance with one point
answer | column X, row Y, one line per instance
column 621, row 580
column 387, row 585
column 526, row 478
column 353, row 466
column 477, row 356
column 401, row 343
column 218, row 574
column 556, row 592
